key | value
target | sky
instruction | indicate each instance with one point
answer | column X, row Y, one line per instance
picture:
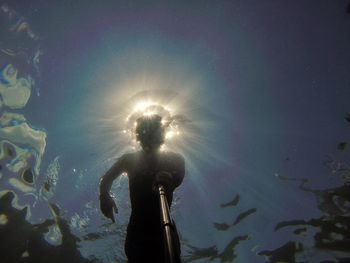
column 266, row 86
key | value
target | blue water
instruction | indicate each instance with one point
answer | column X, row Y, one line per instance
column 256, row 96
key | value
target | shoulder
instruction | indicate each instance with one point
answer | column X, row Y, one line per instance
column 176, row 157
column 177, row 165
column 126, row 159
column 126, row 156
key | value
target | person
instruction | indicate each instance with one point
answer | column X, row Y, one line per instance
column 145, row 169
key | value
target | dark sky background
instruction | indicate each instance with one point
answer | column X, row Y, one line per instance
column 276, row 88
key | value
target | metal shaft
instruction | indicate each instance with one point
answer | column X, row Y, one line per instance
column 166, row 224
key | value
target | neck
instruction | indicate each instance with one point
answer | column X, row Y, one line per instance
column 150, row 150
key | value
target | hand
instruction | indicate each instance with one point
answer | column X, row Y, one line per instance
column 107, row 205
column 163, row 178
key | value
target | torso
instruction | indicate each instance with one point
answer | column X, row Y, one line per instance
column 142, row 168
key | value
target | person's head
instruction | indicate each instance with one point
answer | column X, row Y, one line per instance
column 150, row 132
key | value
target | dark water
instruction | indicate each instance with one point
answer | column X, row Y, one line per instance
column 256, row 96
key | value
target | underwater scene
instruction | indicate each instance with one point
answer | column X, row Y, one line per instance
column 254, row 96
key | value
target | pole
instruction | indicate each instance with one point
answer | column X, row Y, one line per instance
column 166, row 225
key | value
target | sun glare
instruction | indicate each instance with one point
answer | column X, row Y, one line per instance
column 149, row 108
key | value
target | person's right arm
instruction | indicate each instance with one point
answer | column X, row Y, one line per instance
column 173, row 178
column 107, row 204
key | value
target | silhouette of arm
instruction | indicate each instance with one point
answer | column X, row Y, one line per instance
column 107, row 180
column 107, row 204
column 172, row 175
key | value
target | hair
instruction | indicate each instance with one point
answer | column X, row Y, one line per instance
column 150, row 131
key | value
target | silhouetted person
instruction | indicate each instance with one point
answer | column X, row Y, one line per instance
column 145, row 168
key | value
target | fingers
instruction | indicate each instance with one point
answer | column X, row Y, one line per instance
column 112, row 217
column 106, row 213
column 109, row 214
column 115, row 208
column 108, row 207
column 164, row 178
